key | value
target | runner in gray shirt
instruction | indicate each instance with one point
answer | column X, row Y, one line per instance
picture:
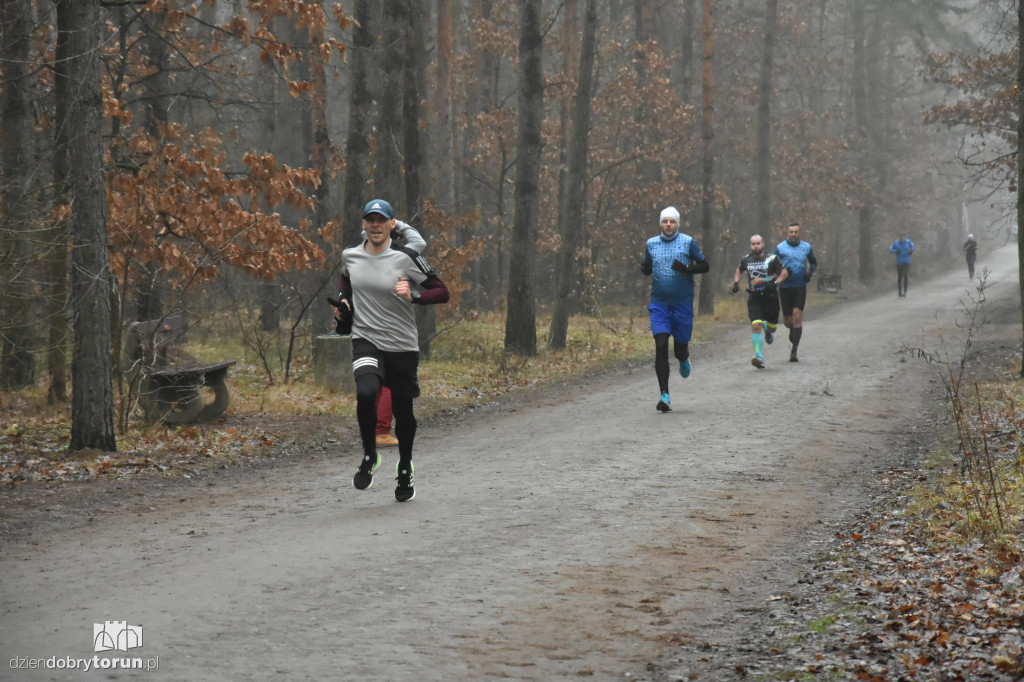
column 405, row 235
column 379, row 286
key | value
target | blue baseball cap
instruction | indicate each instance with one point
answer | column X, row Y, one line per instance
column 379, row 206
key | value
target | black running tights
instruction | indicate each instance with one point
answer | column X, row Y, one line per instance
column 681, row 351
column 367, row 388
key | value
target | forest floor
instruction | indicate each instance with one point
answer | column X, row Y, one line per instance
column 769, row 527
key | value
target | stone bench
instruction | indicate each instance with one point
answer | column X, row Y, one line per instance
column 172, row 382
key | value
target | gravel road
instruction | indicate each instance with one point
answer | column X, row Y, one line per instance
column 580, row 535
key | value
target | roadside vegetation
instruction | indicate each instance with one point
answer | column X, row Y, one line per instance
column 930, row 585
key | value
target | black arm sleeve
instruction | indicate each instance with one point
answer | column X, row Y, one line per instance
column 345, row 288
column 432, row 291
column 343, row 324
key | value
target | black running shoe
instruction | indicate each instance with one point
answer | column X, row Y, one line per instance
column 404, row 490
column 364, row 476
column 792, row 357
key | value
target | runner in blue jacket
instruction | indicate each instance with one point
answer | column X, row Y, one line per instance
column 798, row 257
column 902, row 247
column 672, row 259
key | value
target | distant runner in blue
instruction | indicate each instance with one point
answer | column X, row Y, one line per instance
column 798, row 257
column 672, row 259
column 902, row 247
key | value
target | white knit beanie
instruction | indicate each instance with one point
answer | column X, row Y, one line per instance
column 669, row 212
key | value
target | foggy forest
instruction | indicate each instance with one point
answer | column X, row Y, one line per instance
column 211, row 159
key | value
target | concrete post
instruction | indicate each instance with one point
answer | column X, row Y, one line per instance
column 332, row 363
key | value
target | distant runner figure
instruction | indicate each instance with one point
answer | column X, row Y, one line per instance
column 764, row 274
column 798, row 257
column 672, row 258
column 970, row 252
column 902, row 247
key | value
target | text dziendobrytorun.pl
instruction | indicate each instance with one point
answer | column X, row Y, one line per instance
column 85, row 664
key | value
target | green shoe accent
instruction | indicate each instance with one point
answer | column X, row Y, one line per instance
column 404, row 489
column 364, row 475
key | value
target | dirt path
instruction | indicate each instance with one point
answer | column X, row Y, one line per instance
column 584, row 535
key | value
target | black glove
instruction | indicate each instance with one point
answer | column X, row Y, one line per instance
column 807, row 278
column 646, row 268
column 735, row 287
column 344, row 323
column 679, row 266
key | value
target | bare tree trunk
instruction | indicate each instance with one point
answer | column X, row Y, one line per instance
column 57, row 235
column 357, row 145
column 690, row 20
column 444, row 157
column 387, row 175
column 521, row 315
column 17, row 366
column 413, row 84
column 414, row 78
column 322, row 156
column 572, row 227
column 764, row 121
column 482, row 96
column 149, row 303
column 1020, row 158
column 570, row 68
column 648, row 171
column 92, row 400
column 881, row 85
column 706, row 303
column 865, row 215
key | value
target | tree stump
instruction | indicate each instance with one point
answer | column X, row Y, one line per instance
column 332, row 363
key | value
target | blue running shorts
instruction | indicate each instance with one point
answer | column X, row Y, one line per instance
column 676, row 320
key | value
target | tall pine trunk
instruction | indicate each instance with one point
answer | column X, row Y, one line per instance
column 413, row 147
column 387, row 175
column 321, row 159
column 150, row 294
column 57, row 235
column 764, row 121
column 357, row 145
column 865, row 214
column 570, row 68
column 17, row 366
column 648, row 171
column 706, row 304
column 521, row 315
column 92, row 396
column 444, row 186
column 1020, row 158
column 572, row 225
